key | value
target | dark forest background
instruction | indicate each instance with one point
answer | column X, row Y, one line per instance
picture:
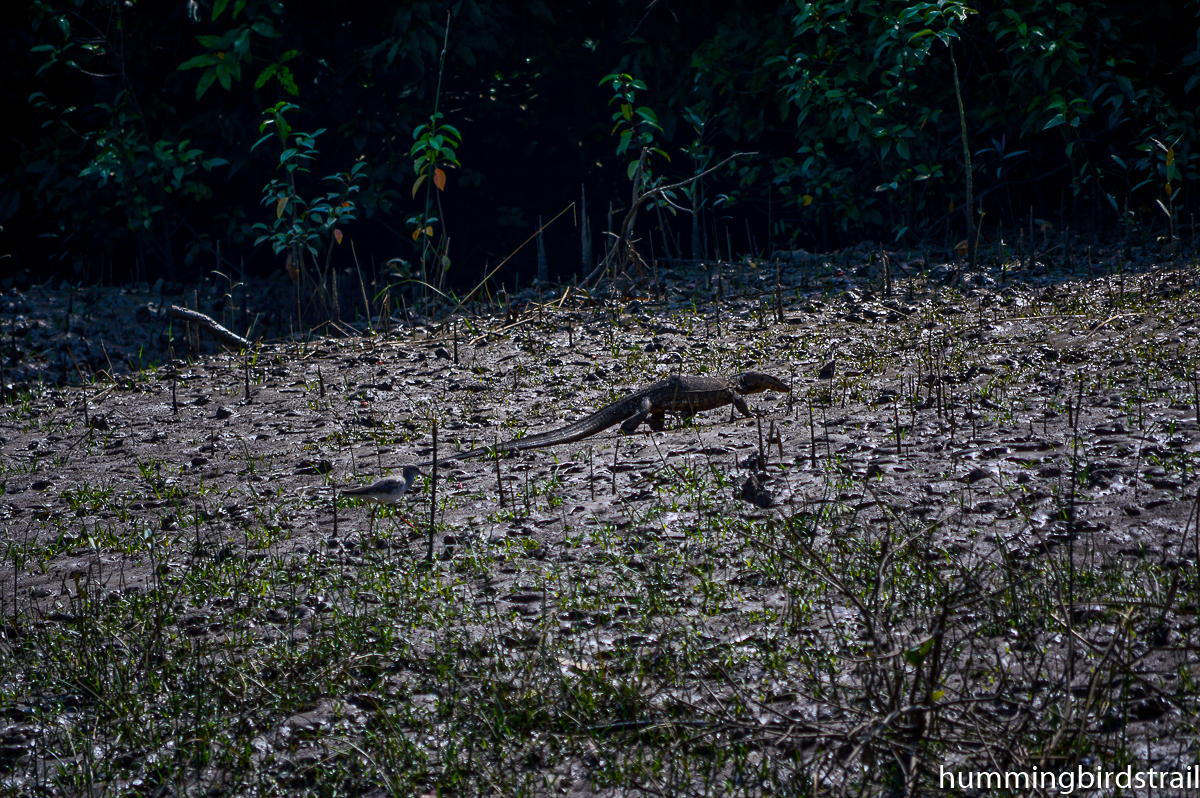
column 130, row 129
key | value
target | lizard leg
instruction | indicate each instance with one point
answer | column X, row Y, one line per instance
column 657, row 422
column 630, row 424
column 740, row 405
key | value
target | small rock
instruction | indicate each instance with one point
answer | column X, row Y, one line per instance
column 975, row 475
column 754, row 492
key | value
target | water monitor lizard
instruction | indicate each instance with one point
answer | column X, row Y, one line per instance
column 686, row 395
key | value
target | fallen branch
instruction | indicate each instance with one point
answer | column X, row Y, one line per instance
column 230, row 339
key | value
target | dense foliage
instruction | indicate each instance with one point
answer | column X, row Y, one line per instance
column 132, row 126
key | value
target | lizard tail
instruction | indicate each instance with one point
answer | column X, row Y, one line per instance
column 584, row 428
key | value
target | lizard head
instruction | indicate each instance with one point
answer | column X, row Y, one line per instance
column 756, row 382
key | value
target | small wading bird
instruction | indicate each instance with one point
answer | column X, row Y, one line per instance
column 385, row 491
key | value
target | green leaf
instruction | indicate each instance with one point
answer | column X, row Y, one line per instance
column 206, row 60
column 206, row 80
column 264, row 28
column 219, row 8
column 1057, row 120
column 288, row 82
column 9, row 202
column 916, row 656
column 265, row 75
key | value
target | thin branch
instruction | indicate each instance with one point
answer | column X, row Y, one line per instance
column 623, row 246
